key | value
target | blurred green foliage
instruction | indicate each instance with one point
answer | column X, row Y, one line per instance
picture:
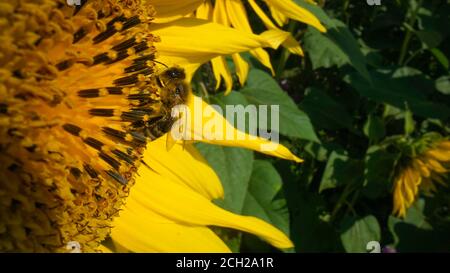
column 377, row 78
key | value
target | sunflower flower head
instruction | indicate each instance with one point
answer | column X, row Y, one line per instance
column 81, row 96
column 421, row 173
column 79, row 89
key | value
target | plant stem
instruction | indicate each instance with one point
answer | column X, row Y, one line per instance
column 409, row 33
column 282, row 63
column 342, row 200
column 344, row 11
column 417, row 52
column 352, row 202
column 284, row 53
column 204, row 91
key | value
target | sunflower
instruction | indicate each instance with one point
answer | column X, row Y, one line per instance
column 422, row 173
column 83, row 112
column 233, row 13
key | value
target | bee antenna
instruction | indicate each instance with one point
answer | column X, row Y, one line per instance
column 160, row 63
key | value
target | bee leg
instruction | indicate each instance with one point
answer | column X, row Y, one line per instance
column 149, row 134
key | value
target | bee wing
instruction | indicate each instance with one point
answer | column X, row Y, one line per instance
column 170, row 141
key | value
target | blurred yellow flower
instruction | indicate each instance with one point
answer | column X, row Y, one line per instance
column 422, row 173
column 79, row 90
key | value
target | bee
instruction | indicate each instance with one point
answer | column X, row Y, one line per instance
column 173, row 87
column 173, row 91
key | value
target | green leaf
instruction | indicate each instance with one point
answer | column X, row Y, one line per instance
column 340, row 170
column 262, row 89
column 308, row 212
column 337, row 46
column 374, row 128
column 316, row 150
column 357, row 232
column 261, row 201
column 416, row 234
column 401, row 91
column 233, row 98
column 379, row 169
column 334, row 117
column 435, row 18
column 440, row 56
column 231, row 237
column 414, row 216
column 234, row 168
column 322, row 51
column 443, row 85
column 429, row 38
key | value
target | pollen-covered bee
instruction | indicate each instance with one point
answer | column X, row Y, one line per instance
column 173, row 91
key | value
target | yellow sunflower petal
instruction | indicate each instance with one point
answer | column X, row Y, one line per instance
column 407, row 190
column 238, row 15
column 205, row 11
column 263, row 57
column 275, row 37
column 399, row 203
column 221, row 71
column 279, row 17
column 444, row 145
column 289, row 42
column 156, row 193
column 220, row 14
column 439, row 154
column 419, row 165
column 225, row 134
column 242, row 68
column 142, row 231
column 434, row 165
column 190, row 42
column 238, row 18
column 170, row 10
column 185, row 165
column 295, row 12
column 219, row 64
column 293, row 46
column 262, row 15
